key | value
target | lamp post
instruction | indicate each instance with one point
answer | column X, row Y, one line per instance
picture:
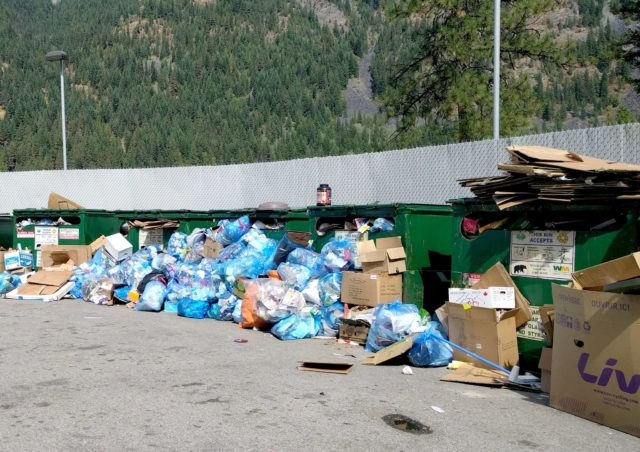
column 59, row 55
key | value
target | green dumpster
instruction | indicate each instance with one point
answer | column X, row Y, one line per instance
column 6, row 230
column 278, row 221
column 539, row 245
column 426, row 235
column 33, row 228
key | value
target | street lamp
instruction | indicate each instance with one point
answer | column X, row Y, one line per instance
column 59, row 55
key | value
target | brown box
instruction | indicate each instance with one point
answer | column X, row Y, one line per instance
column 57, row 201
column 370, row 290
column 484, row 332
column 53, row 255
column 385, row 255
column 595, row 361
column 545, row 370
column 211, row 248
column 354, row 331
column 595, row 277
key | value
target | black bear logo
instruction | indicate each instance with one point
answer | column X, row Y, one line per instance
column 519, row 268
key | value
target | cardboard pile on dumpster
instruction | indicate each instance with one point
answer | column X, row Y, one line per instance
column 538, row 173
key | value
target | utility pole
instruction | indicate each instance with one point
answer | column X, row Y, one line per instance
column 59, row 55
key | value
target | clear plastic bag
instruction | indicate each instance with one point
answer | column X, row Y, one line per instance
column 311, row 293
column 296, row 327
column 229, row 232
column 137, row 271
column 178, row 246
column 166, row 263
column 428, row 351
column 237, row 312
column 392, row 323
column 329, row 287
column 153, row 297
column 339, row 256
column 294, row 275
column 193, row 309
column 9, row 282
column 248, row 266
column 382, row 225
column 331, row 318
column 307, row 258
column 195, row 242
column 224, row 308
column 270, row 303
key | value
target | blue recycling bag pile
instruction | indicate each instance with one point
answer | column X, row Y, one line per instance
column 302, row 301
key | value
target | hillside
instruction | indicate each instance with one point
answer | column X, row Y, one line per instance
column 181, row 82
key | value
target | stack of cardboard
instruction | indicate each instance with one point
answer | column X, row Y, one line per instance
column 537, row 173
column 383, row 262
column 595, row 367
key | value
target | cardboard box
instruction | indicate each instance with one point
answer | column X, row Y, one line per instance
column 545, row 370
column 595, row 361
column 595, row 277
column 497, row 276
column 118, row 247
column 390, row 352
column 2, row 251
column 485, row 332
column 493, row 297
column 354, row 331
column 44, row 283
column 383, row 256
column 57, row 201
column 17, row 259
column 54, row 255
column 370, row 290
column 211, row 248
column 547, row 317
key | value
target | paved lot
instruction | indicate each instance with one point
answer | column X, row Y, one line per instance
column 74, row 376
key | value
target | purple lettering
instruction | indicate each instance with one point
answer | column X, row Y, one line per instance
column 582, row 364
column 633, row 385
column 630, row 387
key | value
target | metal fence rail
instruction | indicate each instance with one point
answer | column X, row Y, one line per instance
column 421, row 175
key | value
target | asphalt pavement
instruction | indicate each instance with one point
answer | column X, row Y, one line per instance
column 75, row 376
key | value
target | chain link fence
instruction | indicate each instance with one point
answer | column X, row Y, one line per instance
column 421, row 175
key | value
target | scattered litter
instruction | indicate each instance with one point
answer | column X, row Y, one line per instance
column 406, row 370
column 240, row 341
column 326, row 367
column 347, row 355
column 437, row 409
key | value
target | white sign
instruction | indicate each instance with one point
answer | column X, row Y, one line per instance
column 353, row 237
column 532, row 330
column 22, row 234
column 38, row 259
column 493, row 297
column 148, row 237
column 46, row 235
column 543, row 254
column 69, row 233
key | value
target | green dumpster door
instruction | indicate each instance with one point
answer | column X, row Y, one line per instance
column 597, row 240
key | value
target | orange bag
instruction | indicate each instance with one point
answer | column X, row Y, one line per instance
column 249, row 318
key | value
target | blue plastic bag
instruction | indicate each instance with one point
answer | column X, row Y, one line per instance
column 170, row 306
column 331, row 318
column 153, row 297
column 237, row 312
column 178, row 246
column 339, row 256
column 288, row 243
column 8, row 282
column 329, row 287
column 296, row 327
column 428, row 351
column 193, row 309
column 248, row 266
column 294, row 275
column 307, row 258
column 229, row 232
column 231, row 252
column 166, row 263
column 224, row 308
column 392, row 323
column 382, row 225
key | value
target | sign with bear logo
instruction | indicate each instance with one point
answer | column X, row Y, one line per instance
column 543, row 254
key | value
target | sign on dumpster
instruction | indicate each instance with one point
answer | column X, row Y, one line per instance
column 543, row 254
column 45, row 235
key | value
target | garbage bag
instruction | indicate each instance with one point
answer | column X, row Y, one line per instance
column 294, row 275
column 231, row 252
column 249, row 318
column 339, row 255
column 237, row 312
column 392, row 322
column 195, row 242
column 178, row 246
column 382, row 225
column 264, row 249
column 137, row 271
column 117, row 275
column 275, row 302
column 290, row 241
column 166, row 263
column 224, row 308
column 122, row 293
column 229, row 232
column 307, row 258
column 193, row 309
column 9, row 282
column 329, row 287
column 248, row 266
column 170, row 306
column 296, row 327
column 311, row 293
column 153, row 297
column 428, row 351
column 101, row 293
column 331, row 318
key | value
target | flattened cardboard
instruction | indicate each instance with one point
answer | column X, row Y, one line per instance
column 610, row 272
column 326, row 367
column 497, row 276
column 370, row 290
column 471, row 374
column 57, row 201
column 211, row 248
column 53, row 255
column 483, row 332
column 595, row 361
column 57, row 295
column 44, row 283
column 390, row 352
column 545, row 370
column 560, row 158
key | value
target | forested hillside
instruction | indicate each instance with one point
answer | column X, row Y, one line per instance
column 181, row 82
